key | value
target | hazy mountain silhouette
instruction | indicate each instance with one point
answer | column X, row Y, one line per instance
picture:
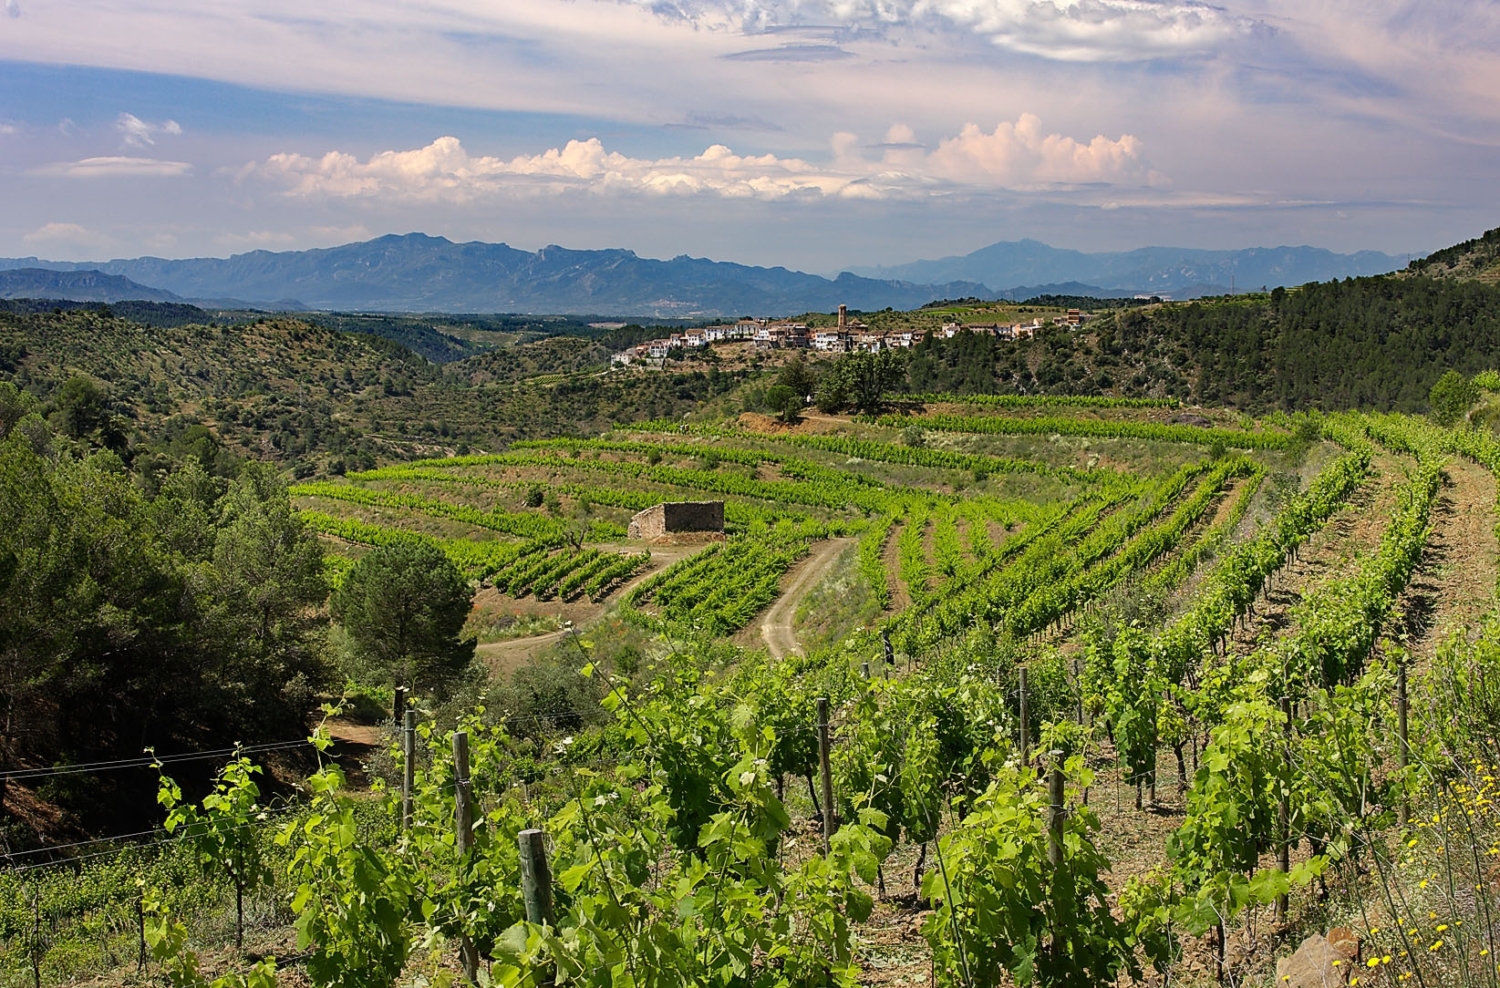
column 77, row 286
column 1176, row 271
column 418, row 273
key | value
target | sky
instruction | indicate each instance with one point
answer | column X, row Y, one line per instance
column 815, row 134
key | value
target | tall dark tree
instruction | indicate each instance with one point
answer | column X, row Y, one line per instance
column 266, row 561
column 404, row 606
column 264, row 585
column 81, row 408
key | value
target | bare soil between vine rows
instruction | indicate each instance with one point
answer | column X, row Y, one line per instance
column 1353, row 532
column 1454, row 586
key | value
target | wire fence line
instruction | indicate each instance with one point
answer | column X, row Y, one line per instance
column 268, row 817
column 147, row 761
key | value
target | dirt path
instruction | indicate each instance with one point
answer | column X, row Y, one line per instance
column 507, row 655
column 353, row 744
column 776, row 626
column 1454, row 585
column 503, row 656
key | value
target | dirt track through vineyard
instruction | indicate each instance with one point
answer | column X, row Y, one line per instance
column 777, row 627
column 513, row 652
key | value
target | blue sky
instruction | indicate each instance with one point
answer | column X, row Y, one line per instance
column 810, row 133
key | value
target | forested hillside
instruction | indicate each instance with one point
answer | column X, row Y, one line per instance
column 165, row 607
column 1364, row 342
column 317, row 400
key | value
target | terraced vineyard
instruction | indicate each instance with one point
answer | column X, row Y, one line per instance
column 1057, row 604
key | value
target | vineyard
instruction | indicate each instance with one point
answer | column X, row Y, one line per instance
column 1125, row 699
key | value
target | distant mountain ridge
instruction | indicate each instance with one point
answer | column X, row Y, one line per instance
column 78, row 286
column 419, row 273
column 1177, row 271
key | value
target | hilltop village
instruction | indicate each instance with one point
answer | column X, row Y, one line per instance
column 850, row 335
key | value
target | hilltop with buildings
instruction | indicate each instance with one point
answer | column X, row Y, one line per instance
column 848, row 335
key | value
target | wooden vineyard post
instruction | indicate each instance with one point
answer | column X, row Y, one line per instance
column 864, row 669
column 536, row 878
column 140, row 926
column 408, row 765
column 398, row 706
column 885, row 643
column 1055, row 816
column 825, row 771
column 1156, row 756
column 1078, row 688
column 1403, row 753
column 536, row 883
column 36, row 950
column 1025, row 721
column 463, row 830
column 1284, row 809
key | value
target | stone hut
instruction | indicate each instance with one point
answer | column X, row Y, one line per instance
column 664, row 521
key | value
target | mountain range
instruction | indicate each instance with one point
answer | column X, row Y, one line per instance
column 1178, row 271
column 419, row 273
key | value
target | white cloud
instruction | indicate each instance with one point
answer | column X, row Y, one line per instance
column 141, row 133
column 1064, row 30
column 116, row 167
column 1096, row 30
column 6, row 129
column 65, row 236
column 12, row 8
column 443, row 170
column 1021, row 154
column 659, row 60
column 1018, row 155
